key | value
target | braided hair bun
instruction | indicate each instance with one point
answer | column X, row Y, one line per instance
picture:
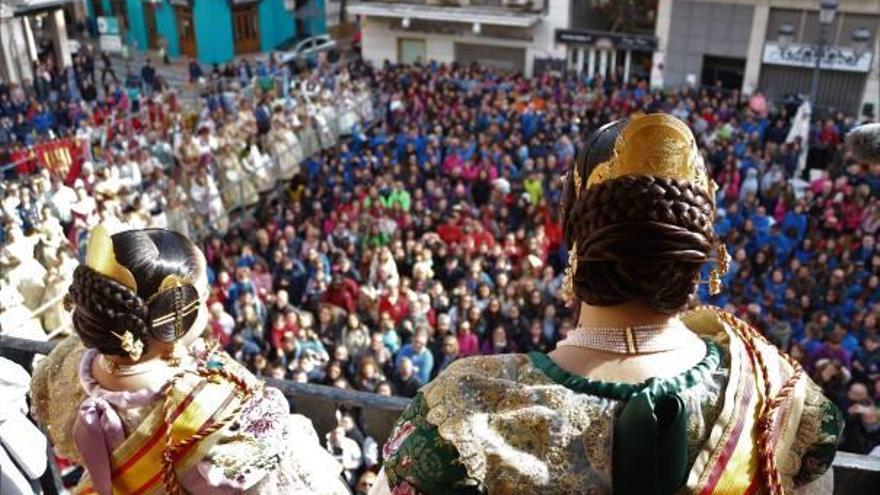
column 104, row 309
column 639, row 238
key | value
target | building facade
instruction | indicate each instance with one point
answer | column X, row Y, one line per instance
column 610, row 39
column 211, row 31
column 506, row 34
column 737, row 43
column 31, row 30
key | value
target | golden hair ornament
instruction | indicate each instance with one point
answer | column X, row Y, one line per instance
column 570, row 270
column 101, row 258
column 655, row 145
column 131, row 345
column 174, row 282
column 722, row 264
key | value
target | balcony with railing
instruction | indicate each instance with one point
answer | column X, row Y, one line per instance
column 853, row 474
column 514, row 5
column 512, row 13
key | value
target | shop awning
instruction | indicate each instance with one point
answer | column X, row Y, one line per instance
column 484, row 15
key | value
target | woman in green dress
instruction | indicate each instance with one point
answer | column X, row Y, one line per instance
column 644, row 397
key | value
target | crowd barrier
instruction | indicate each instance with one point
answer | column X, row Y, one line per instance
column 853, row 474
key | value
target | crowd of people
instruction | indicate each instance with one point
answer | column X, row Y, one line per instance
column 395, row 219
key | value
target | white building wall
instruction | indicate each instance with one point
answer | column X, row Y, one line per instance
column 441, row 49
column 378, row 42
column 544, row 45
column 872, row 85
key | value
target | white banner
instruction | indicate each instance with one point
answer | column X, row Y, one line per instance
column 803, row 55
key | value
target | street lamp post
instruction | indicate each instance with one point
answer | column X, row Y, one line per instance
column 827, row 9
column 860, row 37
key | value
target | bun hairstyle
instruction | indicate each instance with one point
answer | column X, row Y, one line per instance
column 105, row 306
column 638, row 237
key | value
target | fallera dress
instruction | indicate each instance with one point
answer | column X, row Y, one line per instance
column 120, row 437
column 520, row 424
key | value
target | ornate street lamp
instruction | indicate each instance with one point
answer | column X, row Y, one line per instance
column 860, row 37
column 786, row 35
column 827, row 9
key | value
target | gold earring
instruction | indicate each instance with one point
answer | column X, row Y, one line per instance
column 722, row 264
column 568, row 281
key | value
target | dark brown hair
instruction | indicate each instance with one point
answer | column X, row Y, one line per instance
column 103, row 306
column 639, row 238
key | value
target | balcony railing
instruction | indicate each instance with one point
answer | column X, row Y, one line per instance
column 853, row 474
column 513, row 5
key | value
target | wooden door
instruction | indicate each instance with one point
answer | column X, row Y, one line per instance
column 152, row 32
column 186, row 30
column 245, row 28
column 121, row 13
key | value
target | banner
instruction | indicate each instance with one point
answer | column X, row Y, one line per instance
column 62, row 157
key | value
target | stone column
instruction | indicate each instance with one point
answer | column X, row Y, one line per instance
column 603, row 63
column 7, row 59
column 613, row 61
column 580, row 60
column 591, row 64
column 662, row 27
column 15, row 60
column 59, row 38
column 663, row 24
column 872, row 85
column 760, row 18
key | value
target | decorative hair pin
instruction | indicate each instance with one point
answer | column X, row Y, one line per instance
column 174, row 283
column 131, row 345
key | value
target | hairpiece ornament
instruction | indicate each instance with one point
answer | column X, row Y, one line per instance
column 101, row 258
column 131, row 345
column 571, row 269
column 174, row 282
column 656, row 145
column 722, row 264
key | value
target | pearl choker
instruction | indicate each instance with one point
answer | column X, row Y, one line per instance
column 642, row 339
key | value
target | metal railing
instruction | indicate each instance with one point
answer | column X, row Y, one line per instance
column 853, row 474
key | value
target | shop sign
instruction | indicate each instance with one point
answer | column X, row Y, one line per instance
column 839, row 58
column 605, row 40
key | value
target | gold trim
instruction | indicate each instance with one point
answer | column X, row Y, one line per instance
column 170, row 282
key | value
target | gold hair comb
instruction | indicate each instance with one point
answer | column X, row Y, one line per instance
column 656, row 145
column 101, row 258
